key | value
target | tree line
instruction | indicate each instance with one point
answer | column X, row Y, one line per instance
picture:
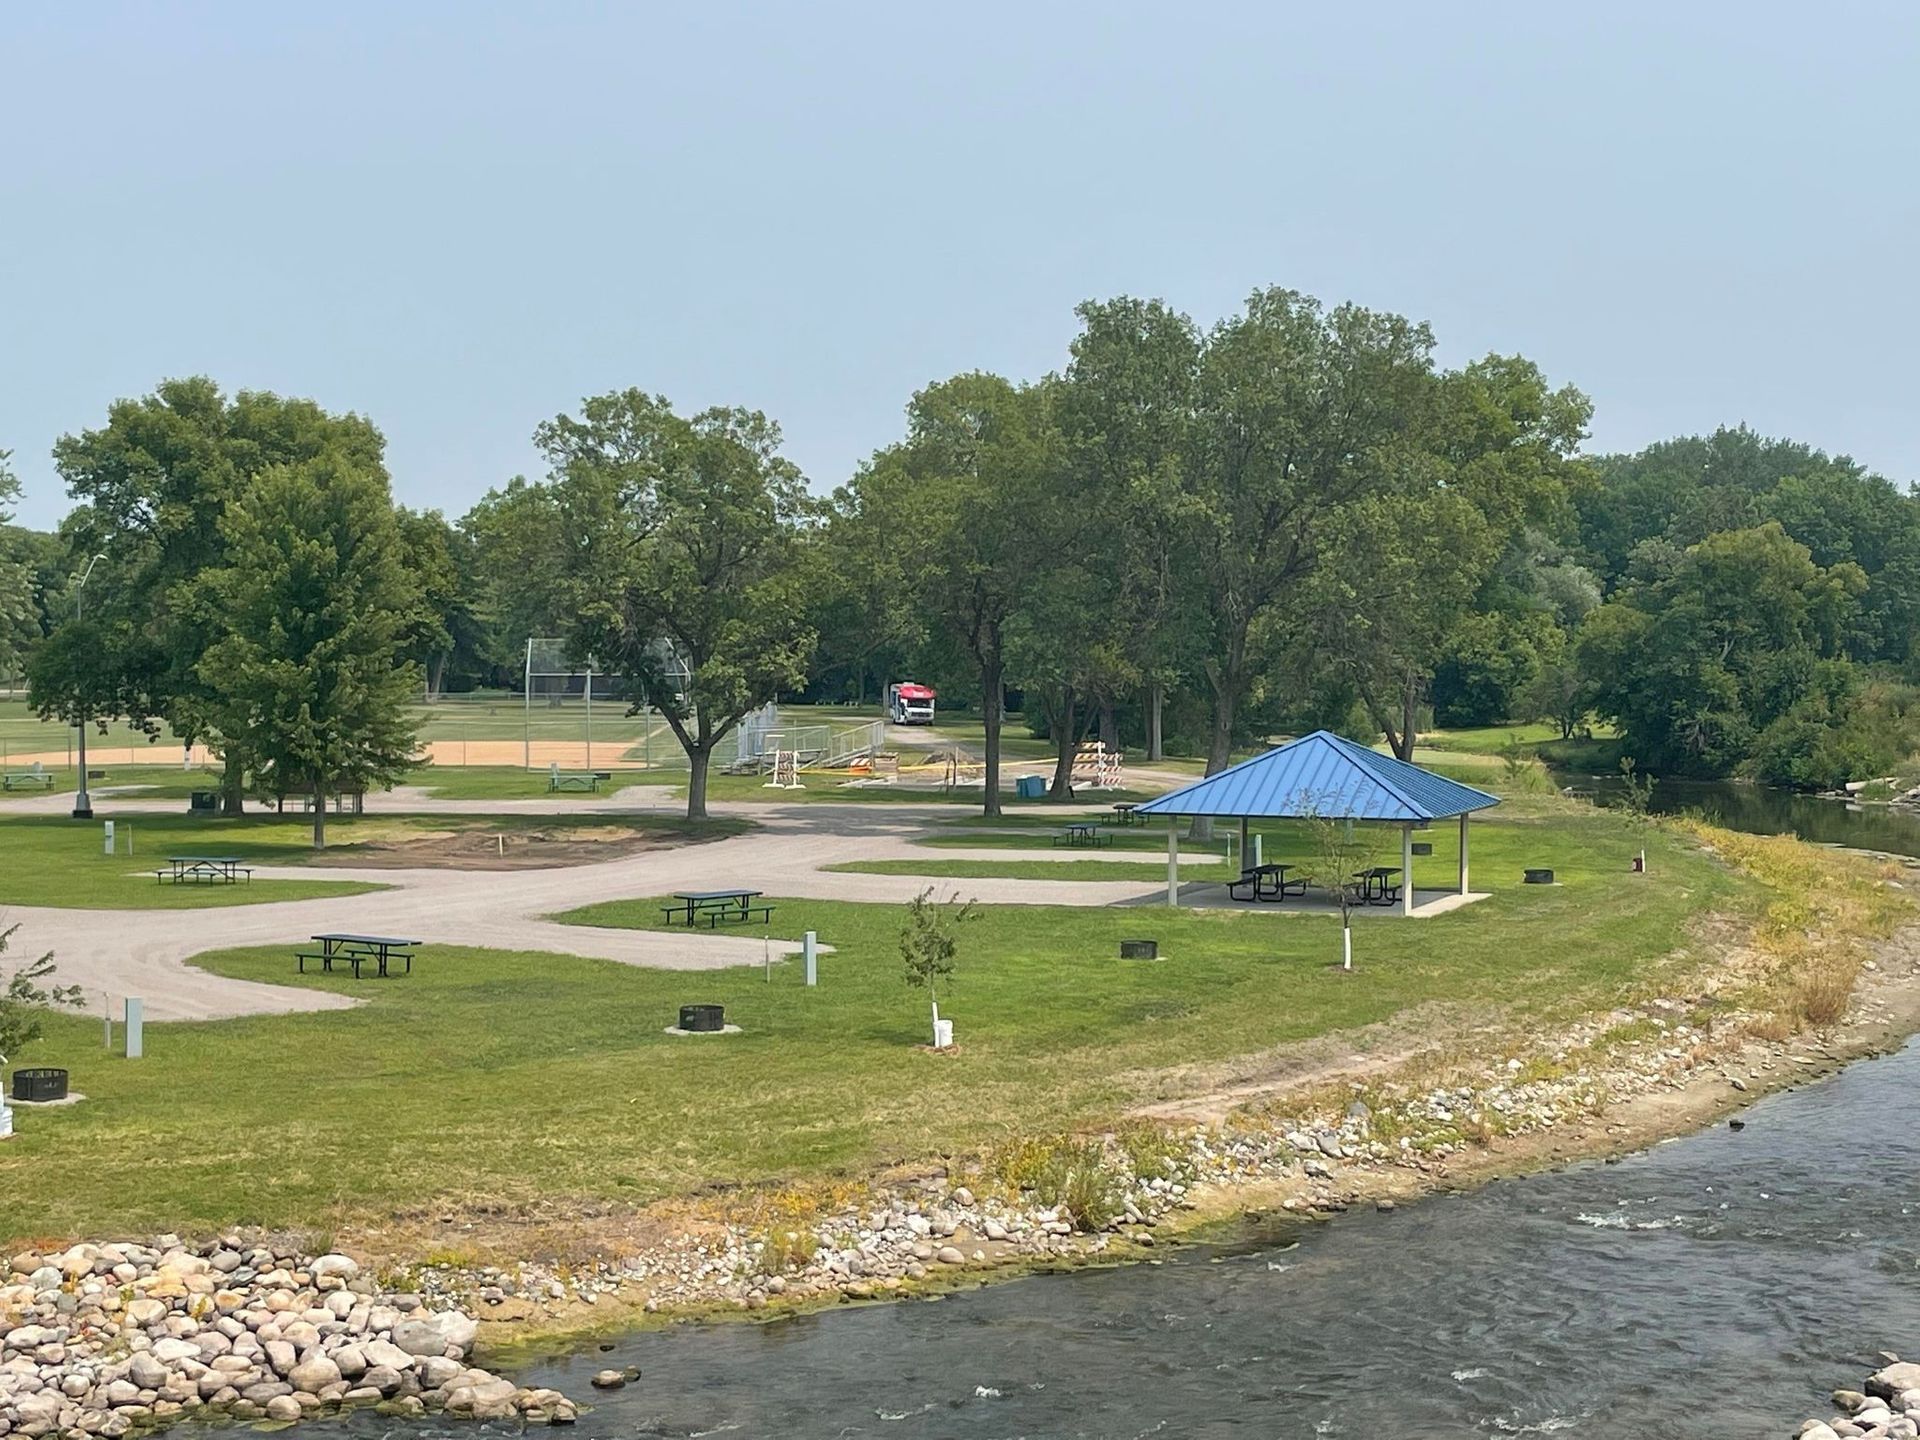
column 1183, row 541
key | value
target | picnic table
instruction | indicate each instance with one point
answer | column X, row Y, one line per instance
column 1266, row 882
column 714, row 906
column 1081, row 832
column 358, row 950
column 1123, row 812
column 26, row 779
column 203, row 870
column 588, row 780
column 1377, row 886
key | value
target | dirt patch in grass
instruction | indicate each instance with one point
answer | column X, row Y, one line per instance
column 493, row 846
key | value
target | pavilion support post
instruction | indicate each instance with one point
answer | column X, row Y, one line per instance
column 1173, row 861
column 1406, row 869
column 1463, row 854
column 1247, row 857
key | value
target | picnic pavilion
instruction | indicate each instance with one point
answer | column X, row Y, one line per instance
column 1323, row 777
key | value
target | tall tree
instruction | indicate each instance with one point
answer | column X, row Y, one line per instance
column 1300, row 410
column 444, row 631
column 1127, row 414
column 18, row 619
column 686, row 532
column 520, row 571
column 310, row 608
column 153, row 484
column 972, row 494
column 1697, row 662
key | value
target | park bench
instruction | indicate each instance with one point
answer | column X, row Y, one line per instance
column 34, row 779
column 585, row 780
column 203, row 870
column 715, row 906
column 379, row 951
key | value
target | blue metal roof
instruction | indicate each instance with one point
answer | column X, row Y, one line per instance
column 1324, row 776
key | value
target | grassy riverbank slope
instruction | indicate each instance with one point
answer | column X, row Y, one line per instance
column 491, row 1079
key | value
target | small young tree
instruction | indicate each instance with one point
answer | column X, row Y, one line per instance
column 24, row 1001
column 1340, row 849
column 929, row 941
column 1636, row 789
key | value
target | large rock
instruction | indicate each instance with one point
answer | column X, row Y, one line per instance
column 436, row 1334
column 384, row 1352
column 171, row 1351
column 314, row 1373
column 436, row 1370
column 146, row 1372
column 334, row 1267
column 489, row 1400
column 383, row 1378
column 1893, row 1380
column 145, row 1311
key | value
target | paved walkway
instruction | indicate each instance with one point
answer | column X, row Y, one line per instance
column 115, row 953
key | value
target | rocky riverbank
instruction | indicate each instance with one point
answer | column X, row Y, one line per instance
column 1613, row 1082
column 104, row 1340
column 1887, row 1407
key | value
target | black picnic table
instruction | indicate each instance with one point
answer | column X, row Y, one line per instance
column 581, row 780
column 1123, row 812
column 1082, row 832
column 358, row 950
column 204, row 870
column 1375, row 888
column 1266, row 882
column 716, row 905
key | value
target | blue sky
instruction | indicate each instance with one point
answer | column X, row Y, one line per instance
column 460, row 218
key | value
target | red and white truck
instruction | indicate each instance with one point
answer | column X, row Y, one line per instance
column 910, row 704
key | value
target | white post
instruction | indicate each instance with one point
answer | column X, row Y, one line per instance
column 526, row 723
column 1173, row 860
column 136, row 1041
column 809, row 947
column 108, row 841
column 1406, row 869
column 1463, row 854
column 1259, row 851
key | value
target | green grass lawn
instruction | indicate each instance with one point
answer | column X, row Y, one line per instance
column 1034, row 869
column 490, row 1077
column 153, row 782
column 500, row 782
column 54, row 860
column 1041, row 837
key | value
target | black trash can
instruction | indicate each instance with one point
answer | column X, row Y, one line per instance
column 37, row 1087
column 703, row 1019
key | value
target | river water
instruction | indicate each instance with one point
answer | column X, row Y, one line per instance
column 1715, row 1286
column 1764, row 810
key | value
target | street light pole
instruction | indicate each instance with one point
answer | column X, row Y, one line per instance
column 82, row 802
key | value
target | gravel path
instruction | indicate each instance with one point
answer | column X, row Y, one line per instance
column 115, row 953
